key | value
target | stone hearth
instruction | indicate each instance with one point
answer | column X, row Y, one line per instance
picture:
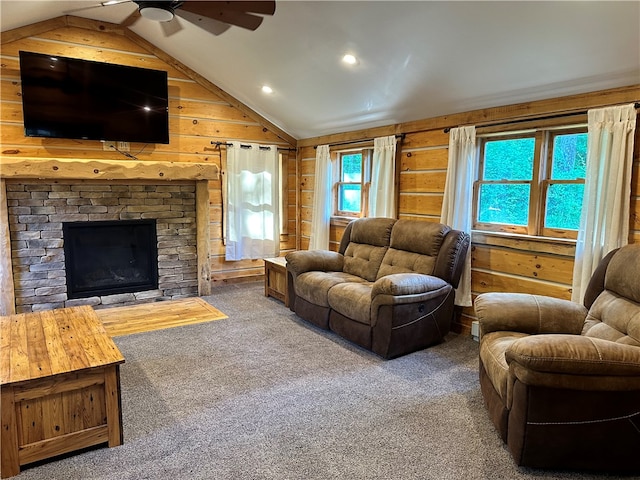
column 37, row 210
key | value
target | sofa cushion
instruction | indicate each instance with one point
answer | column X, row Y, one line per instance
column 353, row 300
column 613, row 318
column 314, row 286
column 363, row 260
column 493, row 348
column 414, row 247
column 373, row 231
column 399, row 261
column 622, row 273
column 368, row 244
column 419, row 237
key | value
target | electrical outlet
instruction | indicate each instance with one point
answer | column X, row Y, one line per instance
column 475, row 330
column 110, row 146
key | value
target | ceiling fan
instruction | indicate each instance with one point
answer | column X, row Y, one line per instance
column 245, row 14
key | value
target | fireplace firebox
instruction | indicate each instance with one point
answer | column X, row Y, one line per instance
column 110, row 257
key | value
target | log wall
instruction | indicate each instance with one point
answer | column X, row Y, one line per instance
column 199, row 113
column 504, row 263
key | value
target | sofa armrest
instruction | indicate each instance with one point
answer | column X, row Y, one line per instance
column 526, row 313
column 406, row 284
column 575, row 361
column 402, row 299
column 451, row 258
column 302, row 261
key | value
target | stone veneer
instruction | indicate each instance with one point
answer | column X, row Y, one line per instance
column 37, row 211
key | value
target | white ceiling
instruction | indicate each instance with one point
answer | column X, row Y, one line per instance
column 418, row 59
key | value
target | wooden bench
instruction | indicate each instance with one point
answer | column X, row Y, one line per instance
column 59, row 386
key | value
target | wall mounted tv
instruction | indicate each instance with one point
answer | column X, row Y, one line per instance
column 81, row 99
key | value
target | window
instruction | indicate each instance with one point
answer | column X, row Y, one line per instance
column 352, row 184
column 532, row 183
column 565, row 185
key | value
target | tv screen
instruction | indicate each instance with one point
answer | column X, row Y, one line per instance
column 73, row 98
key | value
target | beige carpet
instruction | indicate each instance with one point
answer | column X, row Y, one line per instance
column 269, row 397
column 157, row 315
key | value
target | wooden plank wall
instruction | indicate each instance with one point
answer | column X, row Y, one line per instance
column 199, row 114
column 499, row 263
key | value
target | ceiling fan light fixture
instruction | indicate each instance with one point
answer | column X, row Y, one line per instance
column 158, row 13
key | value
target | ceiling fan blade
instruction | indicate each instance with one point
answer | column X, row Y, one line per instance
column 170, row 28
column 108, row 3
column 97, row 5
column 261, row 7
column 131, row 19
column 80, row 9
column 233, row 13
column 210, row 25
column 244, row 20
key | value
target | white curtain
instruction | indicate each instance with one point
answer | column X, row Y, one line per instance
column 253, row 224
column 322, row 199
column 382, row 196
column 457, row 205
column 604, row 223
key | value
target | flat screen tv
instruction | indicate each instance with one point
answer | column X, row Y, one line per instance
column 81, row 99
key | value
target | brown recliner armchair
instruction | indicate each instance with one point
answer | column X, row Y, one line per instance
column 561, row 381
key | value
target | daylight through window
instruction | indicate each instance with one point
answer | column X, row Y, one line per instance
column 352, row 185
column 532, row 183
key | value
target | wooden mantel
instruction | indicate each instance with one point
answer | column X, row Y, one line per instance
column 81, row 169
column 95, row 169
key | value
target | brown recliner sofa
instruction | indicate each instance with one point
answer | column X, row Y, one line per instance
column 389, row 288
column 561, row 380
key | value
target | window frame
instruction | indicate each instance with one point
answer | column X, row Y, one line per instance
column 538, row 185
column 547, row 181
column 365, row 182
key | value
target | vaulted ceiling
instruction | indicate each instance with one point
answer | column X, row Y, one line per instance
column 416, row 59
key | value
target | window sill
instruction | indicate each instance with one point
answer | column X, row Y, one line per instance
column 560, row 246
column 521, row 236
column 341, row 221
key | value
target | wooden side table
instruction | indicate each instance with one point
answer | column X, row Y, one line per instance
column 275, row 279
column 59, row 386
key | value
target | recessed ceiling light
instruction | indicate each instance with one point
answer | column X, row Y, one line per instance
column 267, row 89
column 350, row 59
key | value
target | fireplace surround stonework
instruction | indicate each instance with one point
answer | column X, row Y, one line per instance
column 36, row 211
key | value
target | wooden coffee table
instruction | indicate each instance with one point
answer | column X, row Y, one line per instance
column 59, row 386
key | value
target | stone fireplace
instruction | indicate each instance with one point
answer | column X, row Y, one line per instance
column 39, row 212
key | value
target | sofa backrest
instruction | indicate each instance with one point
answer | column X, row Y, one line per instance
column 368, row 243
column 414, row 247
column 596, row 283
column 615, row 313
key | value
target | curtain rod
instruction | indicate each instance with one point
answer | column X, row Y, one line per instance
column 400, row 135
column 249, row 146
column 636, row 105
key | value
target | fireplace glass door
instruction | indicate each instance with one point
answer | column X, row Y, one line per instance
column 106, row 258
